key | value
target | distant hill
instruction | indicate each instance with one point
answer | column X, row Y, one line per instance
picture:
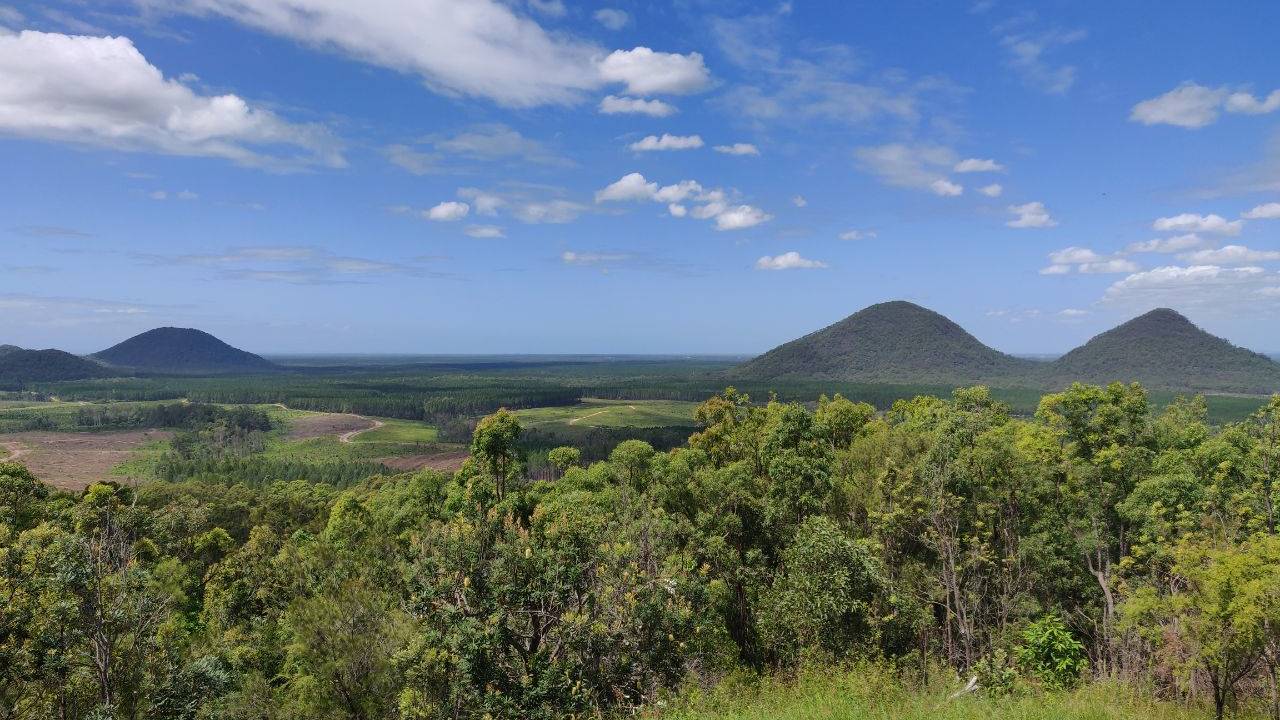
column 19, row 366
column 892, row 342
column 182, row 351
column 1163, row 349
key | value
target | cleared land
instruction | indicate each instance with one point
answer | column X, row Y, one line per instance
column 399, row 444
column 593, row 412
column 71, row 461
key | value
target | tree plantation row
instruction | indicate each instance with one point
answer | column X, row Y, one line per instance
column 1097, row 540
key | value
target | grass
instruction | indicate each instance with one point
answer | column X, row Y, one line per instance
column 612, row 414
column 405, row 432
column 867, row 692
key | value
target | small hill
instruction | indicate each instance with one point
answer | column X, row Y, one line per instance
column 892, row 342
column 19, row 366
column 1163, row 349
column 182, row 351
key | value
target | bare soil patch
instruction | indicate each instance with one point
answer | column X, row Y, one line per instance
column 445, row 461
column 72, row 461
column 328, row 424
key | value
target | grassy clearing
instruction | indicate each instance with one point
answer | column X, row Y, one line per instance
column 872, row 693
column 612, row 414
column 399, row 432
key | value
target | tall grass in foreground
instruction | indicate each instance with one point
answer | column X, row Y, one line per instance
column 870, row 691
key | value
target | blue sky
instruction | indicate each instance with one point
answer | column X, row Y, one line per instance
column 546, row 176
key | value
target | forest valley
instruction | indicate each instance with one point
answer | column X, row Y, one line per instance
column 1096, row 541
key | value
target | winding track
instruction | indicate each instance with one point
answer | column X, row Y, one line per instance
column 346, row 436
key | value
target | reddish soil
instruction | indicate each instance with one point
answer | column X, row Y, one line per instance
column 327, row 424
column 72, row 461
column 446, row 461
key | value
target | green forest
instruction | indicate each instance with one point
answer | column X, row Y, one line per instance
column 946, row 556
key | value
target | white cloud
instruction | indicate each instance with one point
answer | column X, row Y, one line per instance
column 788, row 261
column 738, row 149
column 799, row 201
column 485, row 203
column 555, row 212
column 411, row 160
column 1026, row 55
column 920, row 167
column 1192, row 223
column 530, row 204
column 946, row 188
column 158, row 195
column 550, row 8
column 447, row 211
column 993, row 190
column 1114, row 265
column 186, row 195
column 614, row 105
column 1074, row 256
column 972, row 165
column 1269, row 211
column 1072, row 313
column 1030, row 215
column 1084, row 260
column 101, row 91
column 1243, row 102
column 612, row 18
column 857, row 235
column 480, row 48
column 1206, row 286
column 1191, row 105
column 666, row 142
column 1230, row 255
column 646, row 72
column 569, row 257
column 1177, row 243
column 495, row 141
column 485, row 231
column 1055, row 270
column 632, row 186
column 741, row 217
column 715, row 203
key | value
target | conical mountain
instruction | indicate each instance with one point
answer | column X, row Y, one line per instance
column 1163, row 349
column 182, row 351
column 892, row 342
column 19, row 366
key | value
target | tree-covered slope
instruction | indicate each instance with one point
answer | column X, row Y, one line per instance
column 19, row 366
column 182, row 350
column 1163, row 349
column 897, row 342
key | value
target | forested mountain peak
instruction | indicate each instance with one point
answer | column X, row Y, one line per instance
column 19, row 366
column 182, row 350
column 1163, row 349
column 896, row 341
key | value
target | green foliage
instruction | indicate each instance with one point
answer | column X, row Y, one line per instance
column 1050, row 654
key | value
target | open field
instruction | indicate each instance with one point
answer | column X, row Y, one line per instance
column 71, row 461
column 593, row 412
column 869, row 693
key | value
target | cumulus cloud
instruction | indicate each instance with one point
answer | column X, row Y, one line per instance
column 788, row 261
column 1192, row 106
column 1211, row 287
column 1269, row 211
column 612, row 18
column 1192, row 223
column 740, row 217
column 645, row 72
column 920, row 167
column 101, row 91
column 448, row 211
column 485, row 231
column 1030, row 215
column 738, row 149
column 1084, row 260
column 614, row 105
column 972, row 165
column 666, row 142
column 1177, row 243
column 1230, row 255
column 712, row 203
column 993, row 190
